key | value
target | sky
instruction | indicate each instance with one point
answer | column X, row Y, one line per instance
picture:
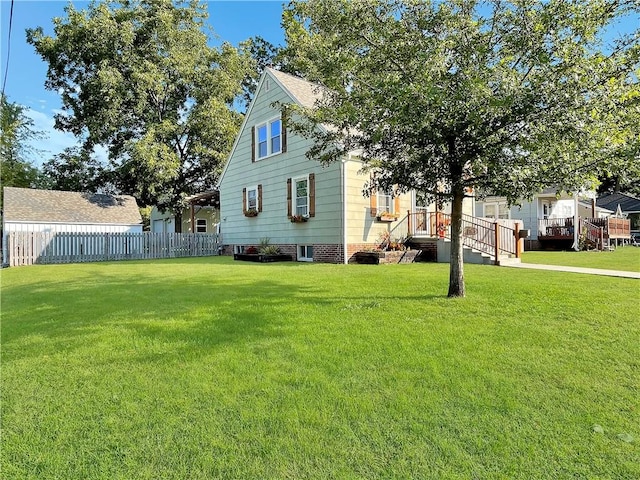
column 232, row 21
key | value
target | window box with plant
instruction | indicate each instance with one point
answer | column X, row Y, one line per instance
column 252, row 201
column 299, row 218
column 387, row 217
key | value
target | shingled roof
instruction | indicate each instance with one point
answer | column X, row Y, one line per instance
column 304, row 92
column 628, row 203
column 52, row 206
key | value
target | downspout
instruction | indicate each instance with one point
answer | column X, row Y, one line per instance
column 343, row 178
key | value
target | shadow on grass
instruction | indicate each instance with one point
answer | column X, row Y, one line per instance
column 170, row 314
column 190, row 315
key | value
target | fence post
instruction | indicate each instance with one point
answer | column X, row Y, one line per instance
column 106, row 247
column 517, row 234
column 497, row 243
column 408, row 223
column 601, row 238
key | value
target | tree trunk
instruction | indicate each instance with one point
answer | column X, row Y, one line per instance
column 178, row 220
column 456, row 263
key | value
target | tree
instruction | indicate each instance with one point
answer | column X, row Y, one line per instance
column 77, row 170
column 16, row 133
column 264, row 54
column 138, row 77
column 621, row 171
column 443, row 96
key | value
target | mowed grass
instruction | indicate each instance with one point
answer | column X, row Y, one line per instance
column 206, row 368
column 623, row 258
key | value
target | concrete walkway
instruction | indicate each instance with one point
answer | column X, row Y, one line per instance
column 591, row 271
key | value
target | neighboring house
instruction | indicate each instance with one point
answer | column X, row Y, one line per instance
column 628, row 205
column 203, row 212
column 269, row 189
column 549, row 217
column 51, row 211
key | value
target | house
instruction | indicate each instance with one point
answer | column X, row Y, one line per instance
column 628, row 205
column 550, row 218
column 270, row 190
column 203, row 212
column 51, row 211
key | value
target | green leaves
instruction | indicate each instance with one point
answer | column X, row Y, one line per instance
column 139, row 78
column 492, row 86
column 503, row 97
column 16, row 133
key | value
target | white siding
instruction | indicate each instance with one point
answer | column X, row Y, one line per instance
column 62, row 228
column 70, row 227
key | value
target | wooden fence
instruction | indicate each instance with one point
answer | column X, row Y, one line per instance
column 28, row 248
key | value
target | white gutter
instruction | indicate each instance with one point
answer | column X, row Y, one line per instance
column 343, row 174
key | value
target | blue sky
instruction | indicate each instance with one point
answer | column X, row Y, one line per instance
column 232, row 21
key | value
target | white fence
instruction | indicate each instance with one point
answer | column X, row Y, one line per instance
column 28, row 248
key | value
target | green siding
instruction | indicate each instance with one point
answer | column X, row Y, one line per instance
column 272, row 173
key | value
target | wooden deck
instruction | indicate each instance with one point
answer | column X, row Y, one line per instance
column 598, row 230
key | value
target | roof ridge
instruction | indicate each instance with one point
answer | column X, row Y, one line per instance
column 296, row 77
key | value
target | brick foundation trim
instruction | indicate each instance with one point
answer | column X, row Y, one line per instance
column 322, row 253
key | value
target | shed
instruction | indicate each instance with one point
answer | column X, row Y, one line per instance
column 53, row 211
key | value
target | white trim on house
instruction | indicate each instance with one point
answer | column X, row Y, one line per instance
column 303, row 253
column 200, row 222
column 247, row 115
column 270, row 152
column 294, row 195
column 256, row 207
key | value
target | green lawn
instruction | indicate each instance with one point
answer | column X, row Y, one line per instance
column 206, row 368
column 623, row 258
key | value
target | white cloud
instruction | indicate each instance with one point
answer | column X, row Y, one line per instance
column 53, row 141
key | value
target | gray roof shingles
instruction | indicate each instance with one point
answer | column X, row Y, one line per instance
column 305, row 92
column 628, row 203
column 43, row 206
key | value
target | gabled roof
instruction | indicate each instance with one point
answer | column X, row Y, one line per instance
column 598, row 209
column 53, row 206
column 304, row 92
column 300, row 91
column 628, row 203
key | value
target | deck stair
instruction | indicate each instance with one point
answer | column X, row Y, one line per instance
column 484, row 241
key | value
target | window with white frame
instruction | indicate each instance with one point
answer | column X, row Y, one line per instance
column 496, row 210
column 385, row 203
column 268, row 138
column 201, row 225
column 252, row 198
column 305, row 253
column 301, row 196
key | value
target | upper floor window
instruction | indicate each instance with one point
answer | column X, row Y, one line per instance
column 268, row 139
